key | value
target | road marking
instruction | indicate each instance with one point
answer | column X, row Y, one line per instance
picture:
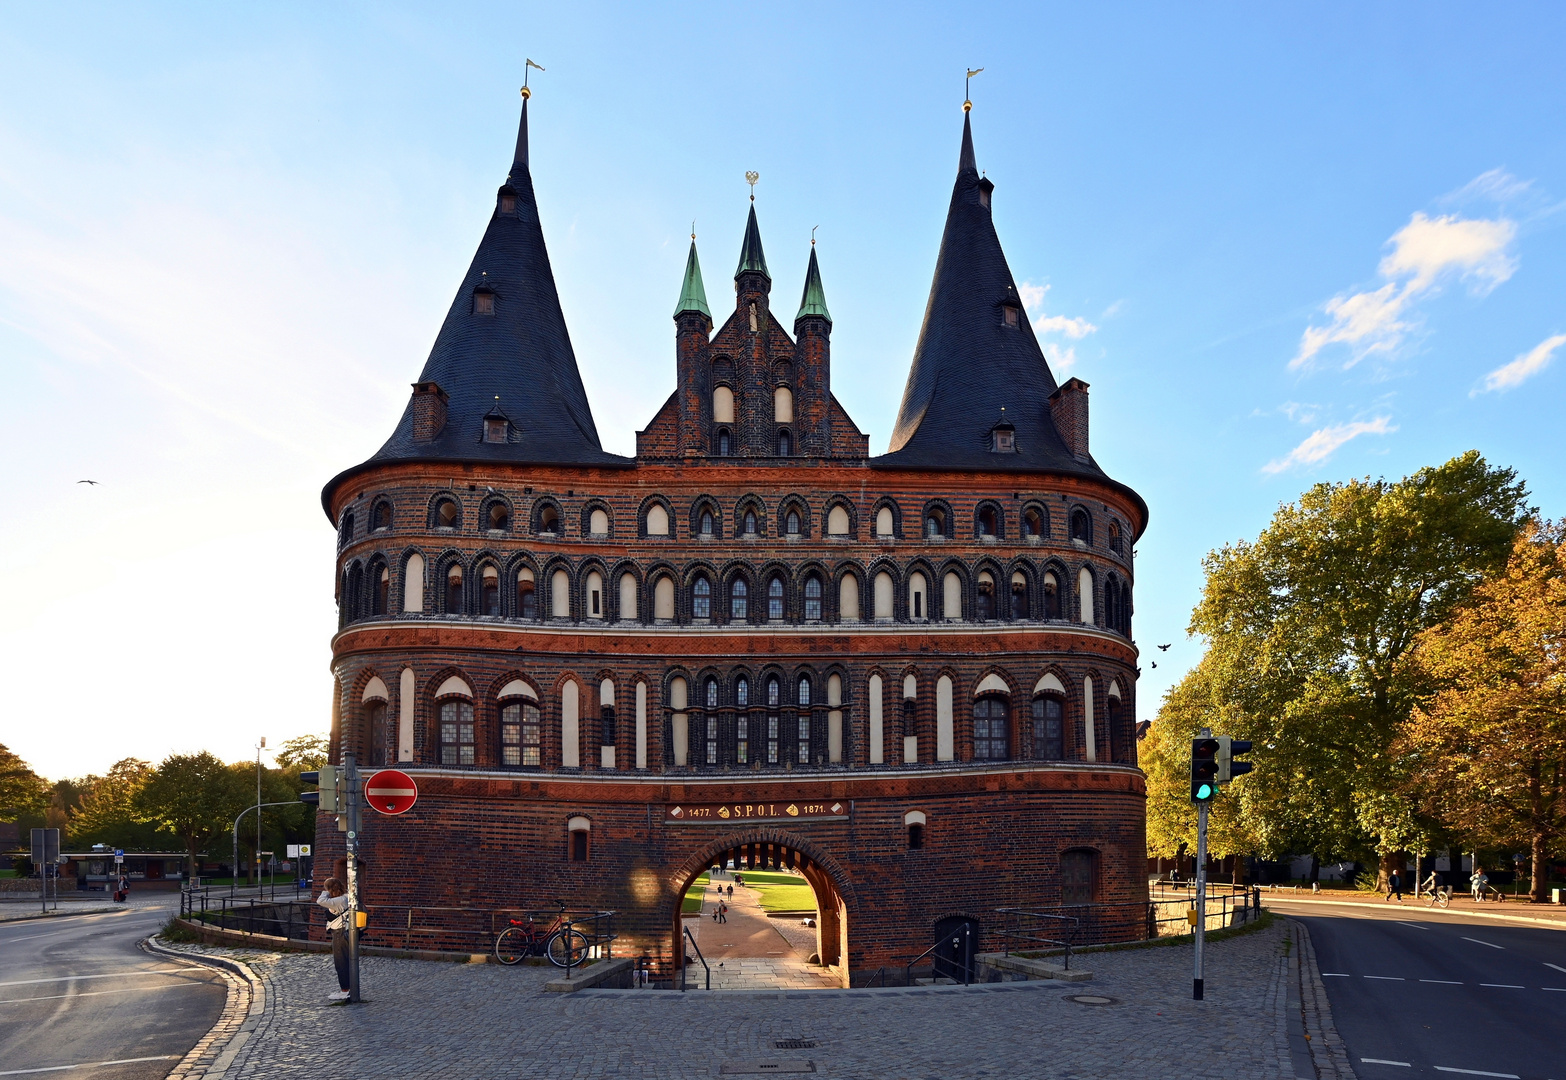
column 107, row 975
column 1387, row 978
column 1504, row 986
column 1442, row 982
column 1416, row 926
column 1441, row 1068
column 1384, row 1061
column 1476, row 941
column 1333, row 975
column 131, row 1061
column 1558, row 989
column 101, row 993
column 1557, row 967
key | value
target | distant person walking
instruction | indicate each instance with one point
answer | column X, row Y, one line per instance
column 122, row 888
column 731, row 892
column 335, row 900
column 1395, row 886
column 723, row 912
column 1478, row 882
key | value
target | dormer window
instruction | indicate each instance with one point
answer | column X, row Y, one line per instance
column 1011, row 314
column 496, row 430
column 483, row 302
column 508, row 203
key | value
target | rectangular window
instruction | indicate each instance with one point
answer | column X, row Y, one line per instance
column 772, row 740
column 579, row 845
column 1048, row 729
column 804, row 740
column 484, row 303
column 606, row 725
column 1076, row 877
column 520, row 734
column 712, row 740
column 742, row 741
column 456, row 733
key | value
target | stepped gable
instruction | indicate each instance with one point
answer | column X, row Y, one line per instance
column 520, row 354
column 977, row 355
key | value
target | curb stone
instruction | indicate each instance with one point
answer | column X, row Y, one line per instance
column 1327, row 1052
column 214, row 1053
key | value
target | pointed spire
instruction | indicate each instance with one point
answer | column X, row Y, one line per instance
column 693, row 297
column 966, row 162
column 813, row 302
column 752, row 258
column 519, row 161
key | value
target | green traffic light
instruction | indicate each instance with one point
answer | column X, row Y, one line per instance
column 1205, row 791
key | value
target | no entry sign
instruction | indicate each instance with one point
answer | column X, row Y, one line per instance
column 390, row 791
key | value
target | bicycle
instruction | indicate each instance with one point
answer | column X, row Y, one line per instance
column 562, row 943
column 1436, row 895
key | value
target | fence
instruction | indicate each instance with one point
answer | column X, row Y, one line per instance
column 1166, row 913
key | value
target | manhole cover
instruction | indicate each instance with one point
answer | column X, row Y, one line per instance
column 794, row 1044
column 1091, row 999
column 764, row 1068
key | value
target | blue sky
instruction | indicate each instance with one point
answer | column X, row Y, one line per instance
column 1283, row 245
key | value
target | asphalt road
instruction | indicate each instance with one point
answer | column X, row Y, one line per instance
column 75, row 991
column 1417, row 992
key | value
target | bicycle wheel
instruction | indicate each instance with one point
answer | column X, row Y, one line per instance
column 567, row 947
column 1444, row 898
column 511, row 946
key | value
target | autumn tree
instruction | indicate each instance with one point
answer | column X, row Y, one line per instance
column 22, row 792
column 109, row 811
column 1488, row 753
column 1309, row 630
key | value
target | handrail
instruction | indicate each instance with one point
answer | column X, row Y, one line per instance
column 1019, row 913
column 967, row 968
column 880, row 973
column 699, row 956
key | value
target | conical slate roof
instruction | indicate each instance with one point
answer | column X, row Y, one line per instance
column 813, row 302
column 520, row 353
column 969, row 363
column 752, row 258
column 693, row 296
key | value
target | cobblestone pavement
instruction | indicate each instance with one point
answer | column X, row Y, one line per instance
column 424, row 1019
column 752, row 951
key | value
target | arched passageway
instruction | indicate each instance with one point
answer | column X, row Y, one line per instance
column 764, row 851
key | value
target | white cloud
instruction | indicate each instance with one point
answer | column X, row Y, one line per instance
column 1062, row 357
column 1321, row 444
column 1524, row 367
column 1497, row 185
column 1426, row 250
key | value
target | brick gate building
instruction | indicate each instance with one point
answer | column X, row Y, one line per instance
column 910, row 676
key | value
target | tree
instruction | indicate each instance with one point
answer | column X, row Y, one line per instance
column 304, row 752
column 22, row 791
column 109, row 811
column 1488, row 754
column 196, row 797
column 1309, row 630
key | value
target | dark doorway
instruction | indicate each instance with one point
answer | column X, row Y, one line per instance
column 957, row 943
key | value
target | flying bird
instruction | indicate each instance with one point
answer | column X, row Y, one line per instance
column 1155, row 663
column 94, row 483
column 1164, row 648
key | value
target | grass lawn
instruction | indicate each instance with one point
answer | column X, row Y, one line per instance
column 780, row 891
column 691, row 904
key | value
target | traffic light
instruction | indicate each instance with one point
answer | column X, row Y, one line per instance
column 1204, row 769
column 1228, row 768
column 326, row 781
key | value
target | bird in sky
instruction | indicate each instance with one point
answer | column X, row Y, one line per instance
column 1164, row 648
column 94, row 483
column 1155, row 663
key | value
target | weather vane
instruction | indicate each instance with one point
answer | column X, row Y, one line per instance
column 813, row 229
column 525, row 91
column 750, row 178
column 967, row 103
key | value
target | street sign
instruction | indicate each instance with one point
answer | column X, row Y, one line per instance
column 391, row 791
column 293, row 851
column 119, row 853
column 304, row 851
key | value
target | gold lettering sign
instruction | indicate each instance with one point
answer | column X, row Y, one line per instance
column 799, row 810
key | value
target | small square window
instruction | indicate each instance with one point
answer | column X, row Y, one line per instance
column 1013, row 316
column 1005, row 442
column 484, row 303
column 495, row 431
column 508, row 204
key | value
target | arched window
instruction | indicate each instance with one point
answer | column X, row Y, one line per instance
column 1085, row 595
column 791, row 523
column 521, row 734
column 594, row 595
column 375, row 721
column 1033, row 524
column 837, row 522
column 548, row 521
column 447, row 516
column 454, row 591
column 812, row 598
column 1051, row 596
column 1112, row 727
column 916, row 596
column 915, row 836
column 1081, row 526
column 598, row 523
column 722, row 405
column 490, row 591
column 657, row 520
column 381, row 516
column 1114, row 537
column 883, row 522
column 712, row 693
column 628, row 606
column 663, row 598
column 987, row 521
column 885, row 598
column 739, row 598
column 935, row 523
column 381, row 597
column 701, row 599
column 785, row 444
column 1019, row 595
column 951, row 596
column 345, row 535
column 848, row 598
column 990, row 722
column 499, row 517
column 1112, row 604
column 1049, row 728
column 527, row 598
column 742, row 692
column 775, row 598
column 750, row 523
column 705, row 526
column 783, row 405
column 986, row 596
column 456, row 733
column 723, row 442
column 774, row 690
column 804, row 690
column 560, row 595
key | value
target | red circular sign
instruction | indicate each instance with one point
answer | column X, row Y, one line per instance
column 390, row 791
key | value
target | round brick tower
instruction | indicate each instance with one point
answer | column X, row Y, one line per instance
column 910, row 677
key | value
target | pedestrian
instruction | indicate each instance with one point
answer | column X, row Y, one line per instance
column 335, row 900
column 1478, row 882
column 723, row 912
column 1315, row 887
column 122, row 889
column 731, row 892
column 1395, row 886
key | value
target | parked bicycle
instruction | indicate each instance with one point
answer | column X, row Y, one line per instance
column 563, row 944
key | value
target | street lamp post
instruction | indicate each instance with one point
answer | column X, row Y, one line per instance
column 260, row 746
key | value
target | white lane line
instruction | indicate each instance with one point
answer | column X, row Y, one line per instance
column 1333, row 975
column 1504, row 986
column 100, row 1064
column 1557, row 967
column 101, row 993
column 1384, row 1061
column 1387, row 978
column 1443, row 1068
column 1442, row 982
column 1416, row 926
column 1557, row 989
column 1476, row 941
column 106, row 975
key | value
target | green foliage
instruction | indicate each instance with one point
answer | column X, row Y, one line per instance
column 304, row 753
column 195, row 797
column 1309, row 631
column 108, row 811
column 22, row 791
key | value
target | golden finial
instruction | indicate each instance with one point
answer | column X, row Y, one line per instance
column 967, row 104
column 526, row 93
column 813, row 229
column 750, row 178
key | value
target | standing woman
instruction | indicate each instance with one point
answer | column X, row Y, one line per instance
column 335, row 901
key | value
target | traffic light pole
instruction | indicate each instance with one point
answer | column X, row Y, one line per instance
column 351, row 792
column 1201, row 895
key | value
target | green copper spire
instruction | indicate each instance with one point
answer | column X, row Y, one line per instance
column 813, row 302
column 752, row 258
column 692, row 296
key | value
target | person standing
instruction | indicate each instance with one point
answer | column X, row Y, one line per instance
column 1395, row 886
column 723, row 912
column 335, row 900
column 1478, row 882
column 731, row 892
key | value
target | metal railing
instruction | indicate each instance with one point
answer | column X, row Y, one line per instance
column 699, row 956
column 965, row 936
column 1023, row 930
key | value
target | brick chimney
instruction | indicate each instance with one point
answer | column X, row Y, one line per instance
column 429, row 411
column 1068, row 407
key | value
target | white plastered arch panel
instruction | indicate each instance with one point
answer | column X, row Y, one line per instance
column 518, row 688
column 578, row 823
column 375, row 690
column 991, row 684
column 1114, row 690
column 1049, row 683
column 914, row 817
column 454, row 686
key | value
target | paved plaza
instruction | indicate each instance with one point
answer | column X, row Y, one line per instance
column 427, row 1019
